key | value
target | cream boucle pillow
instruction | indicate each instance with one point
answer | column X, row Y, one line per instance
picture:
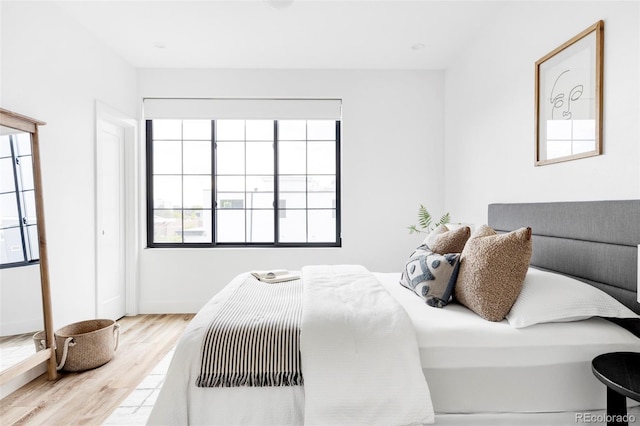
column 430, row 239
column 452, row 241
column 492, row 271
column 484, row 231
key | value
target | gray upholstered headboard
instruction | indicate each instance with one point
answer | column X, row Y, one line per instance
column 593, row 241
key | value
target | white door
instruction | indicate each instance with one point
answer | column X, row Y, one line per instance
column 110, row 221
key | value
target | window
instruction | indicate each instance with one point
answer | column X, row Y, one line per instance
column 216, row 182
column 18, row 225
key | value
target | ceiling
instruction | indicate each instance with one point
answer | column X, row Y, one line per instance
column 392, row 34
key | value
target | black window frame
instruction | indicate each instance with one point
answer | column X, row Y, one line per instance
column 214, row 244
column 22, row 223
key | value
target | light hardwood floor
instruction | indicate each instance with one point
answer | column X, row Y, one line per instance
column 89, row 397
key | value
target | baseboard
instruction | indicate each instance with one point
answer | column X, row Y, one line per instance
column 170, row 307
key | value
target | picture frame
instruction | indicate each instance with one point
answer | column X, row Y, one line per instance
column 568, row 99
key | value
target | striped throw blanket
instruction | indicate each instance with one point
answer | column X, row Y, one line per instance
column 254, row 340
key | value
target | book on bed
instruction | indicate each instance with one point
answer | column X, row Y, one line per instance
column 275, row 276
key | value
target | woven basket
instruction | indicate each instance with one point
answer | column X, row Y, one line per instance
column 86, row 344
column 39, row 340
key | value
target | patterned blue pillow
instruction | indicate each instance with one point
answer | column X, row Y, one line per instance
column 432, row 276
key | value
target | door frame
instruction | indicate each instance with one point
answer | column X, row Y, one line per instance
column 130, row 175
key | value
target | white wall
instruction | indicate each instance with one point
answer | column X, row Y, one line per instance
column 489, row 112
column 53, row 70
column 392, row 145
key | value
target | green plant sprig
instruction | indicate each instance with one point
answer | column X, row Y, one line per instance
column 425, row 221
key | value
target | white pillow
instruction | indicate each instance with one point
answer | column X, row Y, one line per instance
column 549, row 297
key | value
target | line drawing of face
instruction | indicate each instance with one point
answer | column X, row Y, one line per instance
column 561, row 98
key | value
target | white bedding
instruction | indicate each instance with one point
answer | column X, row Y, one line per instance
column 360, row 360
column 181, row 402
column 471, row 365
column 359, row 357
column 478, row 366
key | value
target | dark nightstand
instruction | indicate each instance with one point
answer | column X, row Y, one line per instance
column 620, row 371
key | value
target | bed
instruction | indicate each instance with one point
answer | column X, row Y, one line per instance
column 477, row 371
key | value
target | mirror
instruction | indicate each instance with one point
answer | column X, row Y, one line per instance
column 25, row 306
column 20, row 305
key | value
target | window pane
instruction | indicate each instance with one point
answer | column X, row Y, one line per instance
column 29, row 212
column 5, row 146
column 322, row 200
column 292, row 130
column 197, row 226
column 321, row 183
column 8, row 211
column 230, row 200
column 293, row 200
column 260, row 130
column 321, row 130
column 230, row 158
column 292, row 157
column 292, row 183
column 12, row 246
column 196, row 130
column 230, row 130
column 197, row 191
column 260, row 200
column 7, row 181
column 230, row 226
column 260, row 226
column 167, row 129
column 293, row 227
column 321, row 158
column 25, row 172
column 230, row 183
column 167, row 191
column 33, row 250
column 197, row 157
column 24, row 143
column 322, row 226
column 259, row 158
column 167, row 226
column 260, row 183
column 167, row 157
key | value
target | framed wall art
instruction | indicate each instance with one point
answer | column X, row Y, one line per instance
column 568, row 102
